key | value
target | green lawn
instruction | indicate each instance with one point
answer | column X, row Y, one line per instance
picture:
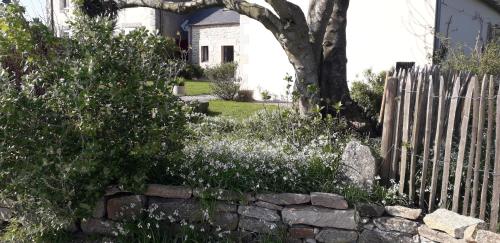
column 198, row 88
column 237, row 110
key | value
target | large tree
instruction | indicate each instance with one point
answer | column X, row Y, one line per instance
column 315, row 44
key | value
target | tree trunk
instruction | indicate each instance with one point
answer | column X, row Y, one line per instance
column 333, row 69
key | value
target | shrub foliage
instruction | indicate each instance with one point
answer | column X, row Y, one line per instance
column 105, row 117
column 223, row 79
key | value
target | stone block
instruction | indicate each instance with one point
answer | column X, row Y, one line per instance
column 396, row 224
column 370, row 209
column 403, row 212
column 226, row 221
column 260, row 226
column 99, row 226
column 336, row 236
column 156, row 190
column 484, row 236
column 126, row 207
column 321, row 217
column 450, row 222
column 268, row 205
column 259, row 213
column 328, row 200
column 284, row 198
column 301, row 232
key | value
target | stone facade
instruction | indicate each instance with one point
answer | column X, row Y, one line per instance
column 215, row 37
column 291, row 217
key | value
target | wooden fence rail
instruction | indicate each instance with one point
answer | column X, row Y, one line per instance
column 441, row 140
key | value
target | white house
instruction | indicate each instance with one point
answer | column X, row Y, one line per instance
column 379, row 34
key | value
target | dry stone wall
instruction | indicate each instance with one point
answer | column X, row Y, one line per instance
column 290, row 217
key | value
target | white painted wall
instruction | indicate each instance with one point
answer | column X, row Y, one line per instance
column 379, row 33
column 462, row 16
column 214, row 36
column 383, row 32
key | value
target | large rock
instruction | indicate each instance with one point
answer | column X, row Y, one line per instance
column 370, row 209
column 434, row 235
column 358, row 165
column 260, row 226
column 379, row 236
column 226, row 221
column 403, row 212
column 5, row 214
column 127, row 207
column 259, row 213
column 450, row 222
column 156, row 190
column 336, row 236
column 284, row 198
column 484, row 236
column 175, row 210
column 328, row 200
column 321, row 217
column 99, row 226
column 396, row 224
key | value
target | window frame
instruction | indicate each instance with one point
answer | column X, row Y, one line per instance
column 204, row 54
column 223, row 52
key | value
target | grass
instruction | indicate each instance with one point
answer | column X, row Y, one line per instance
column 198, row 88
column 237, row 110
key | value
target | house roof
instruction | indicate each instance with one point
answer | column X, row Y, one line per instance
column 494, row 4
column 214, row 16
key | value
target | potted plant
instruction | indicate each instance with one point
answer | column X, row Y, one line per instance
column 179, row 87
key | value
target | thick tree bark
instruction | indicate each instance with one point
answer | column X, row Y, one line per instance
column 316, row 46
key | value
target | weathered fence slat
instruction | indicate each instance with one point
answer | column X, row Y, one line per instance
column 479, row 145
column 419, row 102
column 427, row 141
column 489, row 135
column 462, row 146
column 448, row 143
column 472, row 151
column 495, row 200
column 382, row 106
column 399, row 126
column 437, row 143
column 406, row 126
column 387, row 132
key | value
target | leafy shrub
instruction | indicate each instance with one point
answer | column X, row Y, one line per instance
column 485, row 62
column 192, row 71
column 223, row 80
column 368, row 93
column 108, row 118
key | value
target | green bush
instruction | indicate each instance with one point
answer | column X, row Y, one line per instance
column 486, row 62
column 192, row 71
column 223, row 80
column 108, row 118
column 368, row 92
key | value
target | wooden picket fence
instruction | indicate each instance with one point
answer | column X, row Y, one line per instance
column 441, row 126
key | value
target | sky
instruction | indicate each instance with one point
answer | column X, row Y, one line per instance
column 34, row 8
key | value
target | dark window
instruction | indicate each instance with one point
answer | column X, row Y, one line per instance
column 404, row 66
column 204, row 54
column 64, row 4
column 227, row 54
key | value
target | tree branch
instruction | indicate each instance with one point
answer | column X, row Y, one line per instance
column 254, row 11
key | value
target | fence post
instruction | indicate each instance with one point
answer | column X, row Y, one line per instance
column 495, row 200
column 388, row 127
column 427, row 140
column 437, row 142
